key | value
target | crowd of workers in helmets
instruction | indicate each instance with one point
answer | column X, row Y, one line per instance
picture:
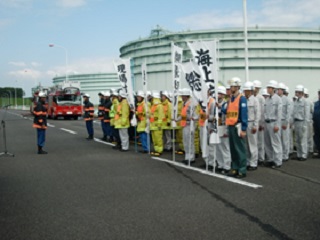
column 256, row 126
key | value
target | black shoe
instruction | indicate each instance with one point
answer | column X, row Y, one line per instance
column 196, row 155
column 123, row 150
column 90, row 137
column 186, row 162
column 285, row 160
column 251, row 168
column 268, row 164
column 260, row 163
column 116, row 147
column 167, row 150
column 274, row 166
column 233, row 173
column 42, row 152
column 302, row 159
column 224, row 172
column 143, row 151
column 241, row 175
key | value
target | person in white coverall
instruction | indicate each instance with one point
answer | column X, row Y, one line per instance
column 253, row 126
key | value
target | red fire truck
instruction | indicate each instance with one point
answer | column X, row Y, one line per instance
column 65, row 101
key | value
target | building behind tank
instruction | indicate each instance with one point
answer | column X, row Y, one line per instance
column 289, row 55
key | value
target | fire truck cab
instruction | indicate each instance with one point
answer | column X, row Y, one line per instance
column 65, row 101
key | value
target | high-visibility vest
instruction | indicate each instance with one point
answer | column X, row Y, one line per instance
column 184, row 109
column 233, row 111
column 140, row 110
column 203, row 115
column 152, row 111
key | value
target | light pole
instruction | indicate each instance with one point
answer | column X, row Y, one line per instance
column 66, row 52
column 15, row 95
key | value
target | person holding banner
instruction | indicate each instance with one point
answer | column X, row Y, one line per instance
column 106, row 117
column 210, row 115
column 166, row 122
column 101, row 115
column 142, row 122
column 113, row 109
column 253, row 126
column 88, row 115
column 222, row 149
column 179, row 135
column 187, row 118
column 237, row 122
column 156, row 117
column 121, row 121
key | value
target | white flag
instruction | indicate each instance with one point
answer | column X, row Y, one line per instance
column 124, row 74
column 205, row 56
column 176, row 60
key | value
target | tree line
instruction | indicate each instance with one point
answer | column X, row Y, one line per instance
column 13, row 91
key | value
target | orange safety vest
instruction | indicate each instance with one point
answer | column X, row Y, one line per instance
column 165, row 110
column 202, row 118
column 233, row 111
column 118, row 113
column 140, row 109
column 184, row 109
column 152, row 110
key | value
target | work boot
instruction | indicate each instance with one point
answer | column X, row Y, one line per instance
column 90, row 137
column 40, row 151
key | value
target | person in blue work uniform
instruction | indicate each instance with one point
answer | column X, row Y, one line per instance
column 88, row 115
column 237, row 122
column 316, row 125
column 40, row 121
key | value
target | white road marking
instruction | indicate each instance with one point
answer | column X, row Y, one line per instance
column 69, row 131
column 229, row 179
column 100, row 141
column 50, row 125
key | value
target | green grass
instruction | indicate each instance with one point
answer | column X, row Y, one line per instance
column 5, row 101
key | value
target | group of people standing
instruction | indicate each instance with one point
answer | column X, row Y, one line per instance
column 255, row 126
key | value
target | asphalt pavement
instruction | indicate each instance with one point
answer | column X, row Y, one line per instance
column 86, row 190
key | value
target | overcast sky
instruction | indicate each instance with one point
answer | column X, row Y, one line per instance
column 92, row 31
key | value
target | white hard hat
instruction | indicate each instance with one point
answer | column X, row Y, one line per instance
column 273, row 84
column 248, row 86
column 101, row 93
column 42, row 94
column 122, row 93
column 114, row 92
column 299, row 88
column 287, row 89
column 148, row 93
column 257, row 84
column 222, row 90
column 235, row 81
column 155, row 94
column 265, row 92
column 185, row 92
column 228, row 87
column 86, row 95
column 107, row 93
column 140, row 93
column 306, row 91
column 165, row 93
column 282, row 86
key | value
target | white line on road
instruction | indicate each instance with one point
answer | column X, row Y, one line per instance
column 50, row 125
column 100, row 141
column 69, row 131
column 229, row 179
